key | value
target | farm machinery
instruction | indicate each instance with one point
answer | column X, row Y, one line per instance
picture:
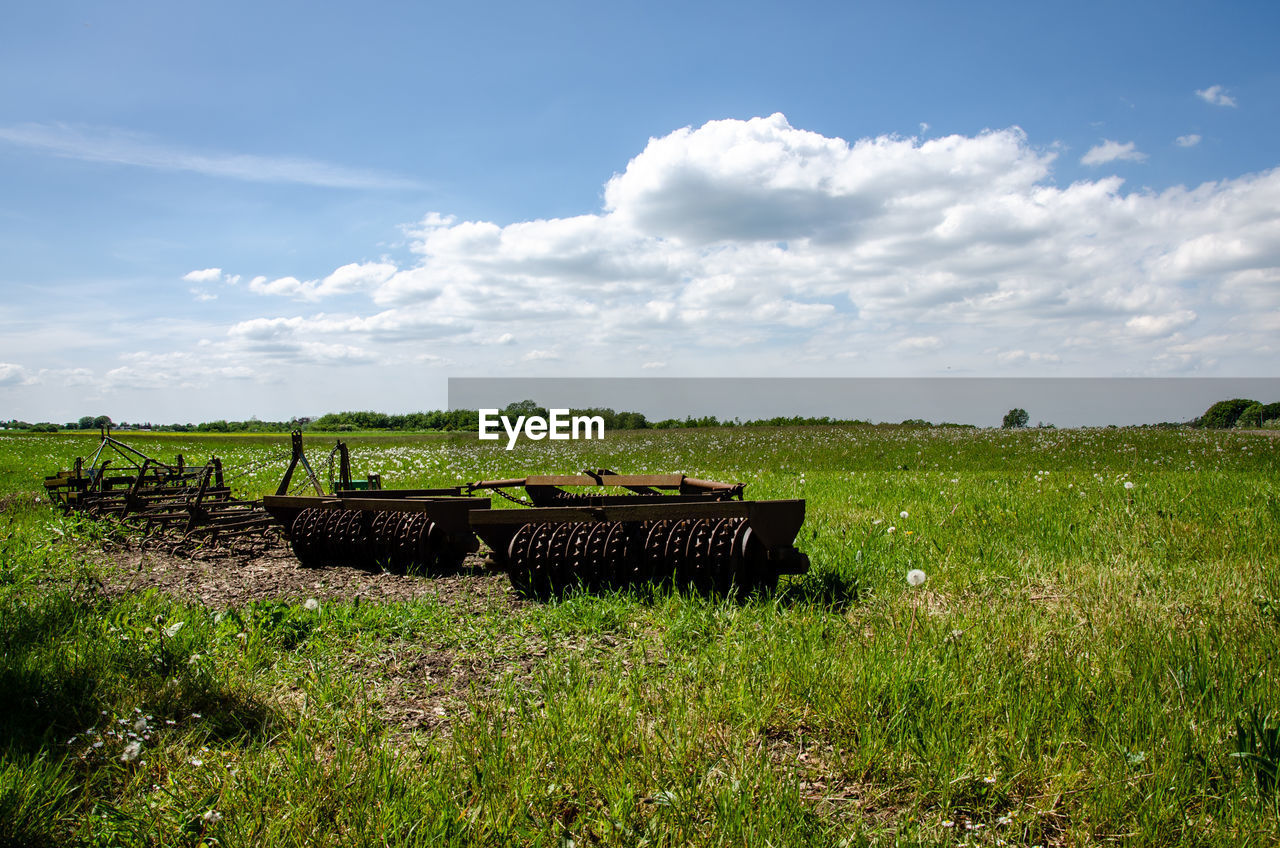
column 624, row 530
column 187, row 504
column 596, row 528
column 193, row 502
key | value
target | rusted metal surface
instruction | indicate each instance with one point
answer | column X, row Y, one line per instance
column 415, row 533
column 626, row 529
column 185, row 506
column 592, row 529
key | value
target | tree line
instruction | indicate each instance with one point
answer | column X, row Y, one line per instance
column 1240, row 412
column 1225, row 414
column 443, row 421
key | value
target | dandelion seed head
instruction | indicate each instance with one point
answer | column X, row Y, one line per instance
column 916, row 577
column 312, row 604
column 131, row 752
column 903, row 514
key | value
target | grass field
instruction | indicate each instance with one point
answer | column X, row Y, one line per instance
column 1092, row 660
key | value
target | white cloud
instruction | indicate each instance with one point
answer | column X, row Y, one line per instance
column 1019, row 356
column 753, row 247
column 208, row 275
column 15, row 375
column 1111, row 151
column 115, row 146
column 1189, row 140
column 1160, row 325
column 917, row 344
column 345, row 280
column 1217, row 95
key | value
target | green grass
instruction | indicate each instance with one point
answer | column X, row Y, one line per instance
column 1088, row 663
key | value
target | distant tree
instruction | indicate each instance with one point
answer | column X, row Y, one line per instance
column 1270, row 412
column 1225, row 413
column 1015, row 419
column 525, row 408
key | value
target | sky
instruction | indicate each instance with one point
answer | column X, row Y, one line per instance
column 275, row 210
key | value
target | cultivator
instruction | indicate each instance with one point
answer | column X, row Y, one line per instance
column 630, row 529
column 184, row 504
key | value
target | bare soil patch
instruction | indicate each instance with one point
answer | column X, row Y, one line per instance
column 220, row 580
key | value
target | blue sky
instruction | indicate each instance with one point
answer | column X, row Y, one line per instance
column 285, row 209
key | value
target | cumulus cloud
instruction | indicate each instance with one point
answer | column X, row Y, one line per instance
column 348, row 279
column 917, row 344
column 1217, row 95
column 741, row 246
column 14, row 375
column 204, row 279
column 1160, row 325
column 1111, row 151
column 1189, row 140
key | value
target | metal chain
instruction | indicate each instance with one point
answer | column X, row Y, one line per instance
column 512, row 498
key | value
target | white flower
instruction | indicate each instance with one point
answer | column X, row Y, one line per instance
column 902, row 514
column 196, row 763
column 131, row 752
column 915, row 577
column 891, row 529
column 1128, row 484
column 312, row 604
column 212, row 817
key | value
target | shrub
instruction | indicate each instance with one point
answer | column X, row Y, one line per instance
column 1251, row 416
column 1224, row 414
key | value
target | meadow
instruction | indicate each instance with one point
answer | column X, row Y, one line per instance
column 1091, row 660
